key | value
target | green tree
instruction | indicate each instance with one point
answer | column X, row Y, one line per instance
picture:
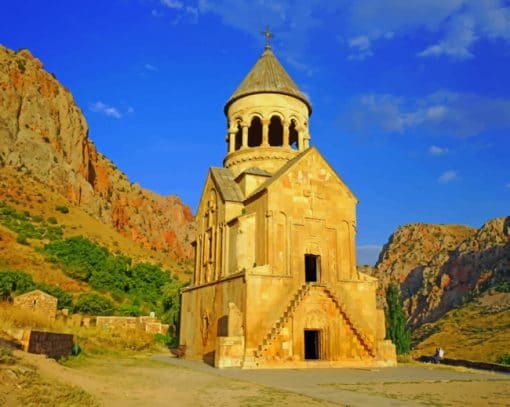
column 172, row 302
column 79, row 256
column 14, row 282
column 112, row 275
column 396, row 320
column 146, row 282
column 94, row 304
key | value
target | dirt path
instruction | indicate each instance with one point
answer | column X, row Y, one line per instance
column 147, row 382
column 162, row 381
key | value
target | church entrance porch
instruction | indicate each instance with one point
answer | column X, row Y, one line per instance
column 312, row 267
column 312, row 347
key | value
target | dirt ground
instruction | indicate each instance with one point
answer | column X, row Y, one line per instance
column 147, row 382
column 161, row 380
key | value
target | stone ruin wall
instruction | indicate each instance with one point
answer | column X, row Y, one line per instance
column 148, row 324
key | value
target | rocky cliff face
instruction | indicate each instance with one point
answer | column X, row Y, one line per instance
column 44, row 133
column 439, row 266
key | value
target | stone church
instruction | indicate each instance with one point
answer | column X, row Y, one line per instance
column 275, row 281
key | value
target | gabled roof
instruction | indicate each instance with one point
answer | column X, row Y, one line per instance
column 255, row 171
column 227, row 186
column 38, row 292
column 267, row 76
column 289, row 165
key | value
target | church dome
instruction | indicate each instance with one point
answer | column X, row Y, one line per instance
column 267, row 119
column 268, row 76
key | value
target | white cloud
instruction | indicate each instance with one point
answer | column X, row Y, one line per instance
column 150, row 67
column 447, row 176
column 184, row 12
column 361, row 46
column 298, row 65
column 507, row 185
column 110, row 111
column 439, row 113
column 174, row 4
column 193, row 12
column 458, row 23
column 368, row 254
column 435, row 150
column 292, row 21
column 458, row 40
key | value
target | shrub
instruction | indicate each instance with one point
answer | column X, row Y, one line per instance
column 53, row 233
column 503, row 287
column 6, row 357
column 129, row 310
column 504, row 359
column 37, row 219
column 62, row 209
column 167, row 340
column 94, row 304
column 22, row 239
column 52, row 220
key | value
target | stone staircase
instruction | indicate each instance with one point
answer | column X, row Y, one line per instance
column 278, row 325
column 367, row 344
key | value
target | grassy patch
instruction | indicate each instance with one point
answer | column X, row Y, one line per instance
column 92, row 340
column 27, row 226
column 469, row 332
column 6, row 357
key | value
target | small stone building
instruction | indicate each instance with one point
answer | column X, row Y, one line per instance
column 37, row 301
column 275, row 281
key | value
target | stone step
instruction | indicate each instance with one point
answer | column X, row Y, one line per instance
column 278, row 325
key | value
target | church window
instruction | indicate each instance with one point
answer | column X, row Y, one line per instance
column 255, row 133
column 275, row 132
column 210, row 245
column 293, row 135
column 312, row 267
column 239, row 136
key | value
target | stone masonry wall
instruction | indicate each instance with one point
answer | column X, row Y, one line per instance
column 37, row 301
column 148, row 324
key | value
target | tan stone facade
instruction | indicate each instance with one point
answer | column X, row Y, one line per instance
column 37, row 301
column 275, row 281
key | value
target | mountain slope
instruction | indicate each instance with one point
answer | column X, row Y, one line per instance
column 455, row 282
column 439, row 266
column 25, row 194
column 44, row 133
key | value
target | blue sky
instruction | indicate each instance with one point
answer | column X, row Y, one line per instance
column 411, row 99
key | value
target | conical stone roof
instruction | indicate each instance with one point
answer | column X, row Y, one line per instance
column 268, row 76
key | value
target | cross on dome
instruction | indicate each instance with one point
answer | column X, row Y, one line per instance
column 268, row 35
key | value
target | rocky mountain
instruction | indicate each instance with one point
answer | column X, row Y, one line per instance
column 44, row 134
column 440, row 267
